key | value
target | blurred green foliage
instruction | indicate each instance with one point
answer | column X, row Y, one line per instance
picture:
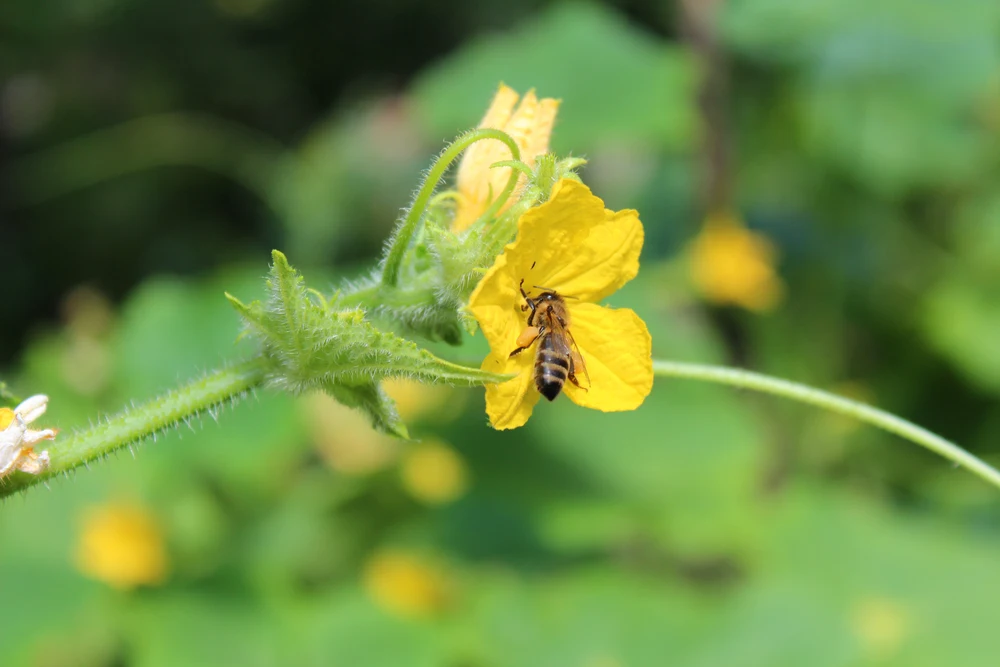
column 707, row 528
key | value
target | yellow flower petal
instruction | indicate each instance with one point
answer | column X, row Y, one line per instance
column 500, row 109
column 509, row 404
column 617, row 350
column 529, row 125
column 496, row 305
column 576, row 245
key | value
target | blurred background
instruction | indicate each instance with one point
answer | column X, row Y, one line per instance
column 819, row 185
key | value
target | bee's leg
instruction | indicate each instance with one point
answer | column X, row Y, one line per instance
column 528, row 303
column 527, row 337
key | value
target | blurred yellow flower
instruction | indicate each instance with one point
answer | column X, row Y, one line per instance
column 17, row 441
column 406, row 584
column 121, row 545
column 434, row 473
column 732, row 265
column 529, row 124
column 573, row 245
column 881, row 625
column 415, row 400
column 345, row 438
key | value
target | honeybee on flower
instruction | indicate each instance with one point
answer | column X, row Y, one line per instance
column 581, row 253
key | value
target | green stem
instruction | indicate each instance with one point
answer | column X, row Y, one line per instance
column 401, row 239
column 515, row 166
column 797, row 392
column 136, row 424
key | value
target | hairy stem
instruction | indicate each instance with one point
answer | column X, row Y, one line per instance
column 401, row 240
column 797, row 392
column 136, row 424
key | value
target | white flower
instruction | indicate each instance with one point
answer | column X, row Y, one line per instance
column 17, row 441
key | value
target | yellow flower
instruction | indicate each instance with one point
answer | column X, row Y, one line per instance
column 418, row 400
column 121, row 545
column 882, row 625
column 434, row 473
column 732, row 265
column 529, row 125
column 584, row 252
column 406, row 584
column 345, row 438
column 17, row 441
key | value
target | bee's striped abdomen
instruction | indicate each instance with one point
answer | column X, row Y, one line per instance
column 551, row 369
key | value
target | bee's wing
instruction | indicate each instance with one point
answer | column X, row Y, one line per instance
column 577, row 355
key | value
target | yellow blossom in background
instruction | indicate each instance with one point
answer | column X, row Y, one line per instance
column 881, row 625
column 344, row 437
column 731, row 265
column 573, row 245
column 416, row 400
column 406, row 584
column 121, row 545
column 529, row 124
column 434, row 473
column 17, row 441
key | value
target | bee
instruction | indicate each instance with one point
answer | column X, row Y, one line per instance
column 557, row 358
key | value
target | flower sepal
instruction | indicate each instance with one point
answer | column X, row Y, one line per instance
column 311, row 343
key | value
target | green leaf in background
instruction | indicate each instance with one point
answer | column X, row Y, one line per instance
column 587, row 617
column 187, row 628
column 346, row 628
column 617, row 84
column 885, row 90
column 892, row 589
column 962, row 318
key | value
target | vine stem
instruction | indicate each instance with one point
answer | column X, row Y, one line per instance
column 886, row 421
column 401, row 239
column 136, row 424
